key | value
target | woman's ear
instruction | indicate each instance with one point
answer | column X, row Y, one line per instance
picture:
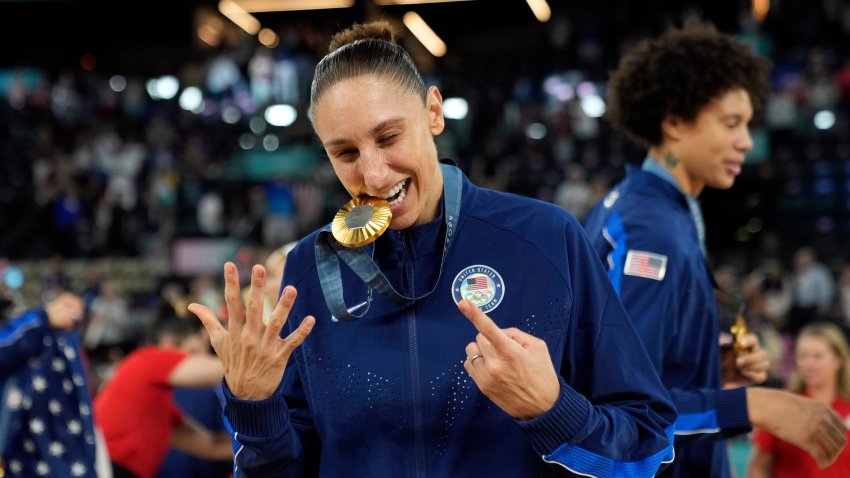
column 434, row 105
column 671, row 128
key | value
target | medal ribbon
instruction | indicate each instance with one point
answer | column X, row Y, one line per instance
column 651, row 166
column 329, row 251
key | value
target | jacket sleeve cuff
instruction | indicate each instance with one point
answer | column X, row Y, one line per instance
column 256, row 418
column 732, row 413
column 560, row 424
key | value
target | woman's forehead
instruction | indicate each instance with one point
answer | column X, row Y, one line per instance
column 377, row 85
column 364, row 102
column 730, row 102
column 813, row 341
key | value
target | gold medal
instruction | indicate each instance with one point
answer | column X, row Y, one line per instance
column 361, row 220
column 739, row 331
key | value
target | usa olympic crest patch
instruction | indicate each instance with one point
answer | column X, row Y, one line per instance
column 481, row 284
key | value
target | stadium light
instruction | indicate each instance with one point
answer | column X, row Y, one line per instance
column 540, row 9
column 413, row 2
column 238, row 15
column 255, row 6
column 429, row 39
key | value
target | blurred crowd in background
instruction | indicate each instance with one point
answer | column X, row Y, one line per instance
column 127, row 190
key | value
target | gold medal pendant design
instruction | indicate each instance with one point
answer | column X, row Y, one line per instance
column 361, row 220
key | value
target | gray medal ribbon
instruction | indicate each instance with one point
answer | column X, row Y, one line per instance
column 651, row 166
column 329, row 251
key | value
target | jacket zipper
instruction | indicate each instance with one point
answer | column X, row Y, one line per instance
column 414, row 363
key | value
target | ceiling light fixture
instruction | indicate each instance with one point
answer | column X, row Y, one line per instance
column 540, row 9
column 256, row 6
column 413, row 2
column 430, row 40
column 239, row 16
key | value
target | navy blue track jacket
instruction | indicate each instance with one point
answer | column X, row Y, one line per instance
column 647, row 239
column 387, row 394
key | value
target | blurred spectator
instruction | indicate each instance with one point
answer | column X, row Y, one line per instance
column 108, row 325
column 279, row 223
column 211, row 213
column 767, row 291
column 56, row 279
column 200, row 404
column 203, row 406
column 103, row 224
column 46, row 426
column 136, row 408
column 726, row 277
column 91, row 287
column 163, row 193
column 775, row 288
column 823, row 373
column 275, row 262
column 574, row 193
column 813, row 290
column 205, row 290
column 122, row 165
column 67, row 214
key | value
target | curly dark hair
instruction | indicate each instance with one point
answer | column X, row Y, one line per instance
column 679, row 73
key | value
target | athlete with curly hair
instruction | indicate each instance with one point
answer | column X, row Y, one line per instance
column 688, row 97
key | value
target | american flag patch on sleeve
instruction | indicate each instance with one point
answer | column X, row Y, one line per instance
column 645, row 264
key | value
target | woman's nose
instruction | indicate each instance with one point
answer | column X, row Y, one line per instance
column 374, row 170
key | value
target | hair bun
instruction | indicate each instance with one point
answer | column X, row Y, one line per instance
column 380, row 30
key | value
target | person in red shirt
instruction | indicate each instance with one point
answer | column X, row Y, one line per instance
column 136, row 408
column 822, row 372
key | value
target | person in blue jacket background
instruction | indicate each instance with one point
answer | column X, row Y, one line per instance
column 488, row 341
column 688, row 97
column 46, row 425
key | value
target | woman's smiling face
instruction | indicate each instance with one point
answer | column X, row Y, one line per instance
column 379, row 138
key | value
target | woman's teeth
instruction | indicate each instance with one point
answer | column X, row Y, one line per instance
column 397, row 193
column 399, row 199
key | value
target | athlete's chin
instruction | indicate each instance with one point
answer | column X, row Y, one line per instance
column 402, row 221
column 725, row 182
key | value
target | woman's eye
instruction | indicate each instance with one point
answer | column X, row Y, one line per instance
column 388, row 138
